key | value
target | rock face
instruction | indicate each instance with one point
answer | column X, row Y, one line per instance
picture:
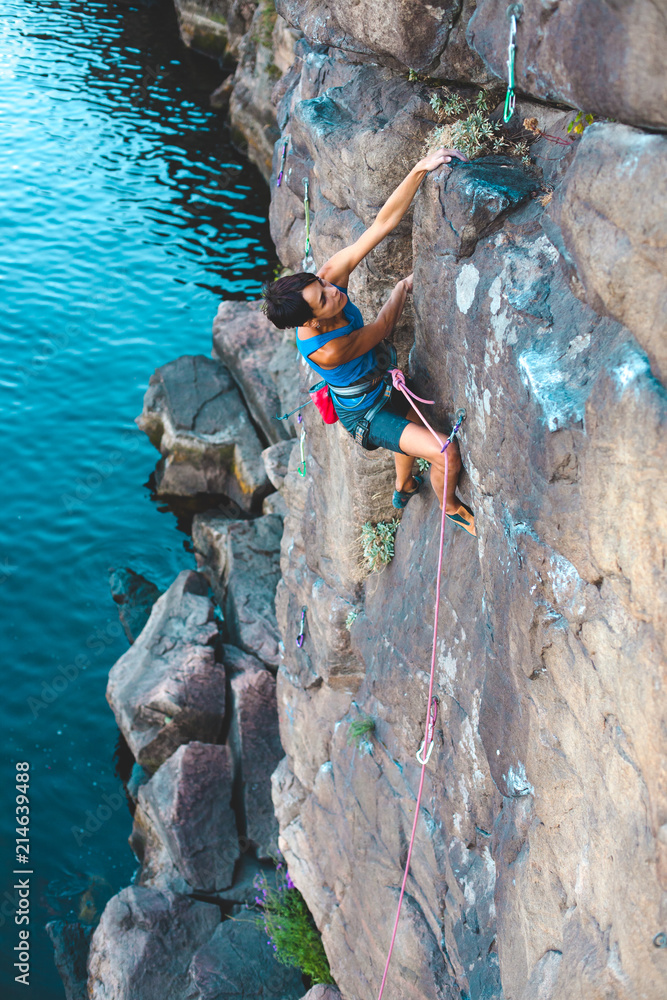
column 322, row 993
column 605, row 58
column 261, row 361
column 194, row 416
column 214, row 27
column 255, row 742
column 539, row 867
column 237, row 963
column 612, row 235
column 428, row 37
column 186, row 809
column 241, row 561
column 169, row 687
column 144, row 943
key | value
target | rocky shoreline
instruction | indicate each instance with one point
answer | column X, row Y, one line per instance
column 540, row 867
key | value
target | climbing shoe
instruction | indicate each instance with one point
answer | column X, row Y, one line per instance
column 463, row 518
column 401, row 497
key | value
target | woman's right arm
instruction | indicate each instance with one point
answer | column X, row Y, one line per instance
column 359, row 342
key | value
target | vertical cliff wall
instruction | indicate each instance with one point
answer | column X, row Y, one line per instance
column 540, row 868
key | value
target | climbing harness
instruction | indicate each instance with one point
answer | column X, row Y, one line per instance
column 398, row 380
column 283, row 157
column 399, row 383
column 301, row 636
column 428, row 741
column 308, row 264
column 514, row 13
column 302, row 444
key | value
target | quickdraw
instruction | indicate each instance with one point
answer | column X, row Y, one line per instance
column 301, row 636
column 514, row 13
column 283, row 157
column 292, row 412
column 302, row 444
column 428, row 741
column 308, row 263
column 459, row 417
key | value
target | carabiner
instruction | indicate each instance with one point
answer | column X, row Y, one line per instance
column 282, row 161
column 513, row 12
column 428, row 741
column 302, row 441
column 300, row 637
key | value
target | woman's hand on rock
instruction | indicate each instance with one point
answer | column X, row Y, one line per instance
column 408, row 282
column 439, row 157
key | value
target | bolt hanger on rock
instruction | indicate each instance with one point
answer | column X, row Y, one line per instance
column 514, row 12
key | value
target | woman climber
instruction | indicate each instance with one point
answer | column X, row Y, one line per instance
column 331, row 335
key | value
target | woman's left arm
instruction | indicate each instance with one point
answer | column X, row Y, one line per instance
column 338, row 268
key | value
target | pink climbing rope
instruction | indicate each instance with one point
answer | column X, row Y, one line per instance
column 398, row 380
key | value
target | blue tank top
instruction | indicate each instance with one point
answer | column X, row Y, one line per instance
column 349, row 371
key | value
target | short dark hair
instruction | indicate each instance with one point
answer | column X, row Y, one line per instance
column 284, row 303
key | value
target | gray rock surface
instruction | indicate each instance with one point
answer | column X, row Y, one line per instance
column 255, row 742
column 169, row 687
column 144, row 943
column 237, row 963
column 276, row 462
column 194, row 415
column 323, row 993
column 241, row 561
column 605, row 58
column 71, row 943
column 539, row 867
column 186, row 809
column 274, row 504
column 252, row 349
column 135, row 596
column 614, row 231
column 427, row 37
column 251, row 112
column 214, row 27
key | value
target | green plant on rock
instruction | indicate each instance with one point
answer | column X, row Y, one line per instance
column 423, row 465
column 377, row 543
column 359, row 731
column 471, row 131
column 351, row 619
column 265, row 23
column 580, row 123
column 290, row 927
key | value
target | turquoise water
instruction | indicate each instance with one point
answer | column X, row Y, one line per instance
column 125, row 217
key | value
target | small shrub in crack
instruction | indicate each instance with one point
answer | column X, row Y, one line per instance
column 377, row 543
column 289, row 926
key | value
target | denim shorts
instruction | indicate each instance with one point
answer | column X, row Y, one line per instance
column 386, row 426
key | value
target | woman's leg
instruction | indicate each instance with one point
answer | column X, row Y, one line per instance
column 418, row 442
